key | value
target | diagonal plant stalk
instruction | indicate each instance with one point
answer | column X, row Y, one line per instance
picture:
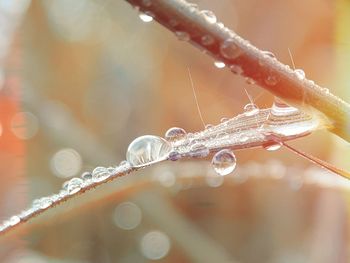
column 201, row 29
column 253, row 128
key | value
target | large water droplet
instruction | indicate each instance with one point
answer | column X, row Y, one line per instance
column 229, row 49
column 146, row 17
column 175, row 133
column 250, row 109
column 199, row 150
column 209, row 16
column 74, row 185
column 279, row 108
column 147, row 149
column 182, row 35
column 300, row 74
column 207, row 40
column 100, row 174
column 224, row 162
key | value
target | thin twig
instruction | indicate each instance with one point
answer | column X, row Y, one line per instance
column 189, row 23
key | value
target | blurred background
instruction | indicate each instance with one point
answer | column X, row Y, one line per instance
column 81, row 79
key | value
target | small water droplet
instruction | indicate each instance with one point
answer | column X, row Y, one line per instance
column 219, row 64
column 147, row 149
column 209, row 126
column 42, row 203
column 209, row 16
column 300, row 74
column 182, row 35
column 174, row 156
column 207, row 40
column 229, row 49
column 250, row 109
column 224, row 119
column 147, row 3
column 146, row 17
column 74, row 185
column 100, row 174
column 249, row 81
column 271, row 80
column 272, row 146
column 224, row 162
column 243, row 138
column 269, row 54
column 222, row 135
column 174, row 133
column 199, row 150
column 14, row 220
column 325, row 90
column 86, row 176
column 236, row 69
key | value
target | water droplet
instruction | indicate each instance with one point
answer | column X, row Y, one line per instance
column 224, row 162
column 229, row 49
column 271, row 80
column 325, row 90
column 279, row 108
column 236, row 69
column 155, row 245
column 147, row 3
column 249, row 81
column 174, row 156
column 269, row 54
column 182, row 35
column 272, row 146
column 86, row 176
column 146, row 17
column 199, row 150
column 147, row 149
column 207, row 40
column 222, row 135
column 74, row 185
column 300, row 74
column 209, row 126
column 219, row 64
column 14, row 220
column 250, row 109
column 42, row 203
column 175, row 133
column 224, row 119
column 209, row 16
column 100, row 174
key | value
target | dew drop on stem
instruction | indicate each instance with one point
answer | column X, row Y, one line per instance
column 147, row 149
column 207, row 40
column 209, row 16
column 182, row 35
column 300, row 74
column 174, row 133
column 229, row 49
column 250, row 109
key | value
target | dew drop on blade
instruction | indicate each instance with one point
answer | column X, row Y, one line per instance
column 279, row 108
column 300, row 74
column 207, row 40
column 224, row 162
column 250, row 109
column 182, row 35
column 272, row 146
column 147, row 149
column 100, row 174
column 74, row 185
column 199, row 150
column 209, row 16
column 174, row 133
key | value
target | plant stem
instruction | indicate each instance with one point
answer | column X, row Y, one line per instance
column 214, row 39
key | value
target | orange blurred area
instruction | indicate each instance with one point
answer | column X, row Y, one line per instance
column 79, row 80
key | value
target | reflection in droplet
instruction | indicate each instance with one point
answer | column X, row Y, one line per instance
column 224, row 162
column 127, row 215
column 147, row 149
column 155, row 245
column 66, row 163
column 24, row 125
column 145, row 17
column 219, row 64
column 209, row 16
